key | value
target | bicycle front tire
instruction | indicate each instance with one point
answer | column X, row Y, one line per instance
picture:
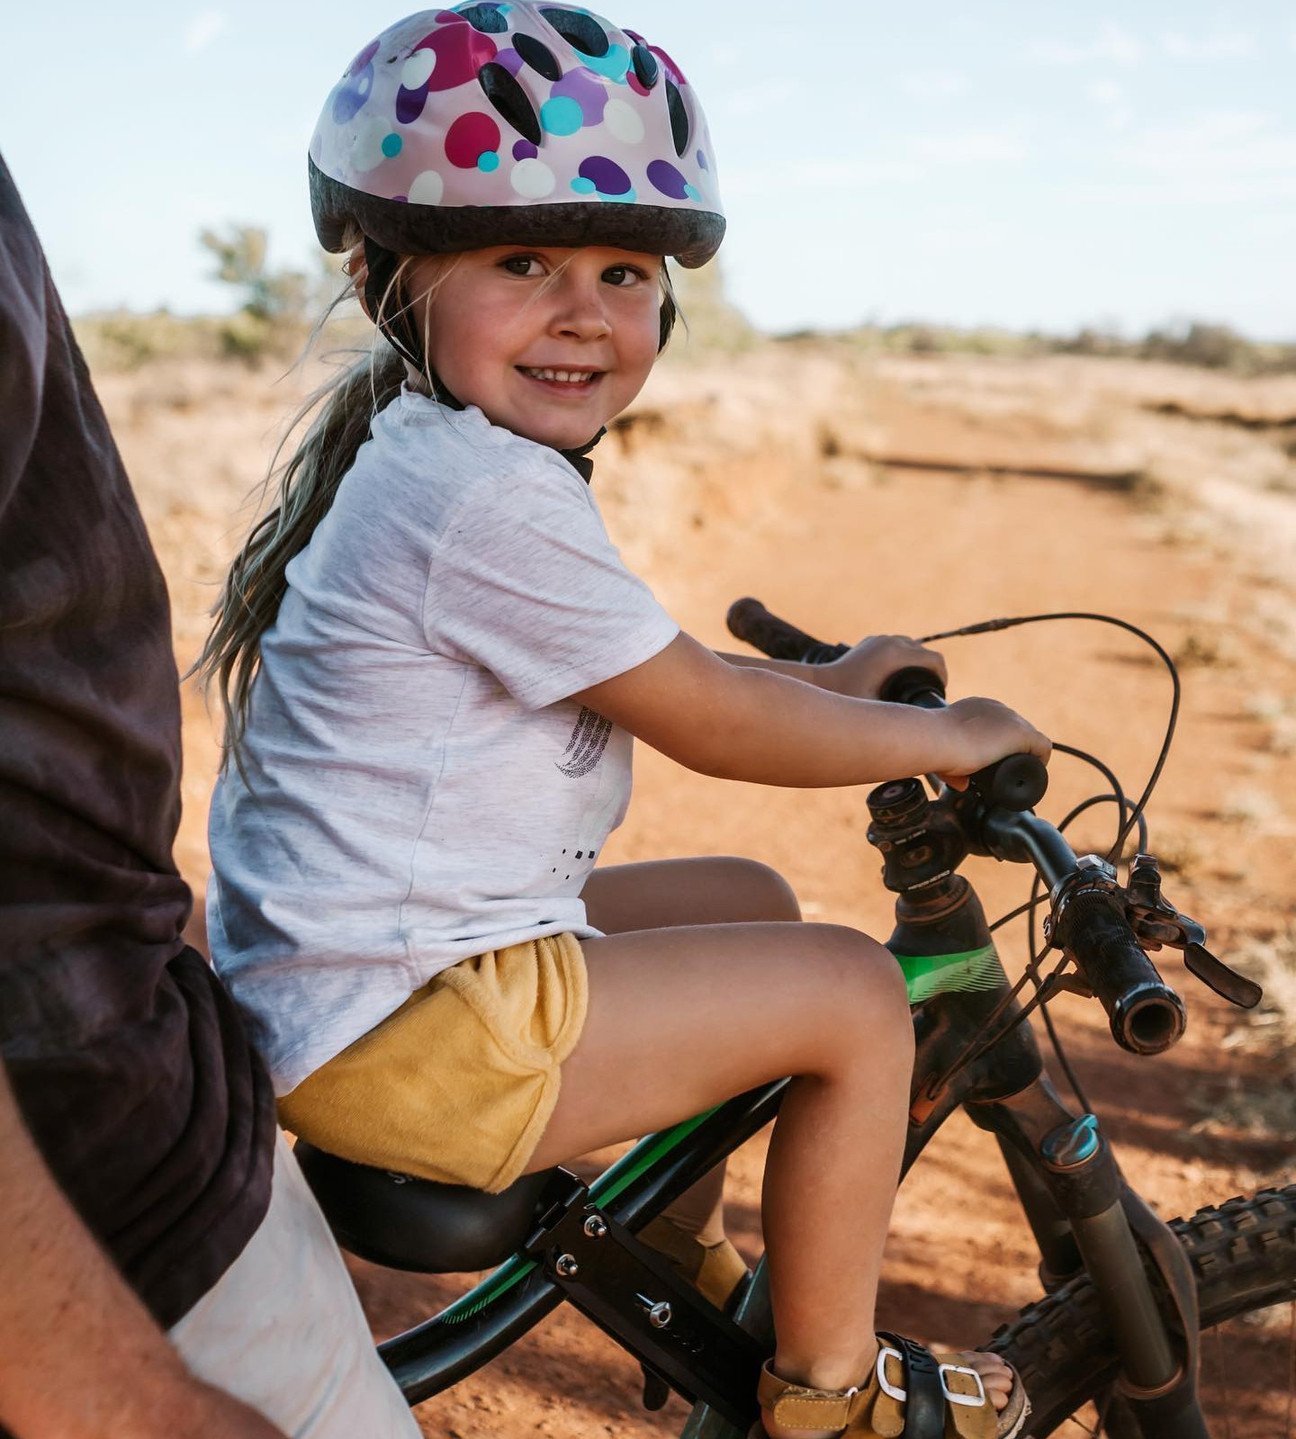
column 1243, row 1255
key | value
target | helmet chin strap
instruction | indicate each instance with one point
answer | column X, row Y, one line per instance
column 398, row 328
column 578, row 457
column 402, row 335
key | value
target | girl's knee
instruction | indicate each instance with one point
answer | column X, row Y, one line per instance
column 760, row 890
column 864, row 978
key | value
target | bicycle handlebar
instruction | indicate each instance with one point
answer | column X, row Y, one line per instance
column 751, row 622
column 1146, row 1015
column 1016, row 782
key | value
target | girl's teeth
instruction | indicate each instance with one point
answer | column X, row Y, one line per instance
column 576, row 377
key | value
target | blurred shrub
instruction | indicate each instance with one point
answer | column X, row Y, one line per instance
column 126, row 340
column 241, row 261
column 916, row 338
column 274, row 318
column 1193, row 343
column 711, row 321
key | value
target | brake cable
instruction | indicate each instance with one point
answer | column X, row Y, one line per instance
column 990, row 626
column 1129, row 817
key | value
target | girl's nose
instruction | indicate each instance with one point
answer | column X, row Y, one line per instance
column 579, row 309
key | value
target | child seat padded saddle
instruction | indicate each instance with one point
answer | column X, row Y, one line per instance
column 417, row 1224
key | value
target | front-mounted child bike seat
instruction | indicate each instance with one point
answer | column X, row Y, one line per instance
column 418, row 1224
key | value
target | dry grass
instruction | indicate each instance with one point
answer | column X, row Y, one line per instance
column 1271, row 962
column 1258, row 1101
column 1181, row 852
column 1276, row 721
column 1268, row 1033
column 1203, row 649
column 1247, row 805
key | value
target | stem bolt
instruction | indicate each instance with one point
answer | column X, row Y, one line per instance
column 595, row 1227
column 566, row 1266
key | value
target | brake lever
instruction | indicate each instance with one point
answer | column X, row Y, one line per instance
column 1156, row 922
column 1216, row 975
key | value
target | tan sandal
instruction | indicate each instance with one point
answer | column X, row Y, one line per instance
column 912, row 1392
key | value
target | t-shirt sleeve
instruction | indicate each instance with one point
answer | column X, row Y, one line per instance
column 526, row 583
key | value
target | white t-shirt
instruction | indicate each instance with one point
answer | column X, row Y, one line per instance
column 420, row 788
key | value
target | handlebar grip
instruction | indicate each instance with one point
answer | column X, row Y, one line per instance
column 751, row 622
column 914, row 685
column 1018, row 781
column 1146, row 1015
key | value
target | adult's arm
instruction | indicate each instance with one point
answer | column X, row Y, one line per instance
column 82, row 1356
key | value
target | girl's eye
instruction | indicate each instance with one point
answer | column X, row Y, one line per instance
column 521, row 265
column 623, row 276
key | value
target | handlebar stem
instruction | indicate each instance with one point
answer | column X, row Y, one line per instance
column 1024, row 837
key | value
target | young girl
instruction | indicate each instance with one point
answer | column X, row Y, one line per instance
column 433, row 662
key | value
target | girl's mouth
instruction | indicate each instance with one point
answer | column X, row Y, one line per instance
column 563, row 382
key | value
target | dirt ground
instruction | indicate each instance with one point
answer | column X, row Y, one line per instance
column 859, row 495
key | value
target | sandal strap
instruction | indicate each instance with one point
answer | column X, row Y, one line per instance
column 799, row 1407
column 920, row 1390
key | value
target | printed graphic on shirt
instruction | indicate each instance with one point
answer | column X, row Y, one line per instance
column 585, row 748
column 598, row 803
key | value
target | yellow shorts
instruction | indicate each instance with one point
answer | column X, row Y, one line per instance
column 458, row 1084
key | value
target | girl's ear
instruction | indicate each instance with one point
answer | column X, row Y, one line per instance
column 357, row 270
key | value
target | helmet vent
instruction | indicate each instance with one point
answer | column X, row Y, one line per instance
column 510, row 99
column 487, row 18
column 581, row 31
column 678, row 116
column 540, row 57
column 645, row 65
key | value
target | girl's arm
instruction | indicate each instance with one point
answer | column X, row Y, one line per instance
column 751, row 722
column 860, row 672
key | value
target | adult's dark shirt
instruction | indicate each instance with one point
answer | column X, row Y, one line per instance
column 126, row 1057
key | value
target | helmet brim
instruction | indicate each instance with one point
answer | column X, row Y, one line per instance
column 690, row 236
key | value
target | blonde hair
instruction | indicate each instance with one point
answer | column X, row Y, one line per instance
column 342, row 410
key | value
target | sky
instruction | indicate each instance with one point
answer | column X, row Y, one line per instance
column 1027, row 165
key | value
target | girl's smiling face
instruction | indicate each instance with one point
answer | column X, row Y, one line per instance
column 550, row 343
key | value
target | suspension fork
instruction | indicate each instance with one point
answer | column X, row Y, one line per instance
column 1065, row 1171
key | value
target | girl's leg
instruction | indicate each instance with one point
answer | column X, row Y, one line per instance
column 665, row 894
column 670, row 893
column 684, row 1018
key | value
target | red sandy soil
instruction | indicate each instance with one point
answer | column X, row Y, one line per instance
column 772, row 473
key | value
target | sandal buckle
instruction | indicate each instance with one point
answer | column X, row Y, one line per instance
column 891, row 1390
column 972, row 1401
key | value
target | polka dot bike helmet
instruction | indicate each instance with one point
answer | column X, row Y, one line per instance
column 515, row 123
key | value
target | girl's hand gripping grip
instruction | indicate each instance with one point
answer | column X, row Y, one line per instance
column 1016, row 782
